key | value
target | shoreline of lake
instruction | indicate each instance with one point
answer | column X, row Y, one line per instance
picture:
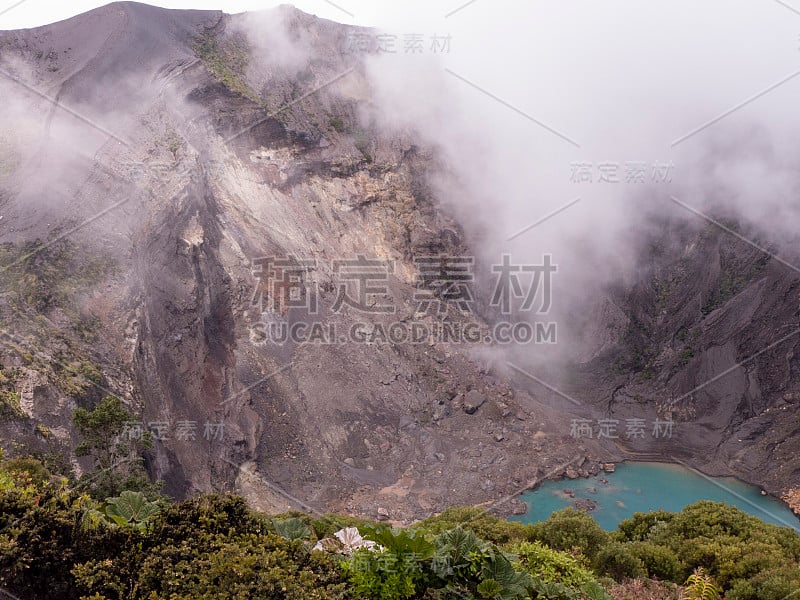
column 579, row 492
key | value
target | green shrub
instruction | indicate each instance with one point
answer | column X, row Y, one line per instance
column 117, row 466
column 398, row 570
column 570, row 529
column 641, row 526
column 249, row 566
column 779, row 583
column 337, row 124
column 383, row 575
column 487, row 527
column 291, row 529
column 547, row 564
column 10, row 407
column 658, row 561
column 32, row 467
column 44, row 533
column 618, row 561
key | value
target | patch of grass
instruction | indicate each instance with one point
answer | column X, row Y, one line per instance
column 647, row 374
column 737, row 271
column 227, row 64
column 10, row 407
column 44, row 277
column 686, row 356
column 337, row 124
column 76, row 378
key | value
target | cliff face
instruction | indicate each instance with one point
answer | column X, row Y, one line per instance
column 153, row 157
column 177, row 157
column 707, row 333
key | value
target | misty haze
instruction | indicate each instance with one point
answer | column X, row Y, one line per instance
column 478, row 300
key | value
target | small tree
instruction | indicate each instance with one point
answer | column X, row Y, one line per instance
column 101, row 430
column 117, row 466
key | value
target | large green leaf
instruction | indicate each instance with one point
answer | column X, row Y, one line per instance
column 593, row 591
column 291, row 529
column 550, row 590
column 130, row 508
column 456, row 550
column 489, row 588
column 515, row 585
column 402, row 541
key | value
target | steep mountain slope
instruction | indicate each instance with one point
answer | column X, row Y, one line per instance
column 708, row 332
column 133, row 212
column 152, row 157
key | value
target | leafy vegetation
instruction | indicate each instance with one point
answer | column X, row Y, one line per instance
column 10, row 404
column 747, row 558
column 337, row 124
column 735, row 272
column 572, row 531
column 700, row 586
column 117, row 466
column 551, row 565
column 58, row 541
column 131, row 509
column 291, row 529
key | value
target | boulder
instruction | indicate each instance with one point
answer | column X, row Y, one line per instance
column 473, row 400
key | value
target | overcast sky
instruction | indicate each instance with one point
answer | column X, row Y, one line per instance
column 32, row 13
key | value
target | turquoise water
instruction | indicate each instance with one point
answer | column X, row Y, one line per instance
column 642, row 487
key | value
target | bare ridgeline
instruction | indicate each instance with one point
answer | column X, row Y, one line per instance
column 201, row 216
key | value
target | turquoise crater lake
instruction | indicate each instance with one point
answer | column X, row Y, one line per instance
column 642, row 487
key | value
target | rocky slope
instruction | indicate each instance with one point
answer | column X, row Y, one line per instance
column 151, row 157
column 186, row 205
column 707, row 334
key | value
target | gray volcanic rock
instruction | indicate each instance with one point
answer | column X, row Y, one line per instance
column 153, row 158
column 150, row 158
column 706, row 335
column 473, row 400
